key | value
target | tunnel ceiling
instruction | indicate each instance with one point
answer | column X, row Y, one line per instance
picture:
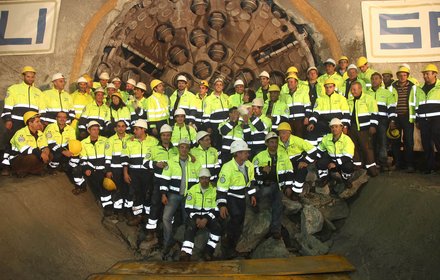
column 204, row 40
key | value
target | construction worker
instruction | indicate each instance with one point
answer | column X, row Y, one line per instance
column 301, row 153
column 298, row 101
column 273, row 172
column 113, row 158
column 410, row 77
column 118, row 112
column 352, row 76
column 236, row 99
column 111, row 89
column 292, row 70
column 387, row 76
column 30, row 153
column 236, row 177
column 138, row 105
column 104, row 77
column 405, row 93
column 327, row 106
column 315, row 88
column 124, row 94
column 248, row 96
column 158, row 107
column 263, row 90
column 129, row 88
column 216, row 108
column 386, row 105
column 136, row 175
column 342, row 67
column 80, row 99
column 275, row 109
column 198, row 105
column 157, row 161
column 366, row 71
column 20, row 98
column 202, row 212
column 256, row 126
column 206, row 154
column 182, row 98
column 330, row 72
column 428, row 115
column 230, row 130
column 364, row 111
column 93, row 157
column 96, row 111
column 335, row 152
column 178, row 177
column 181, row 129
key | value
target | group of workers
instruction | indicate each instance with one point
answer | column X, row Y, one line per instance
column 147, row 156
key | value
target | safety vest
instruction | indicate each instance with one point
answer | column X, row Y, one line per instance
column 366, row 111
column 159, row 154
column 122, row 114
column 113, row 155
column 340, row 151
column 172, row 175
column 136, row 151
column 366, row 76
column 158, row 108
column 216, row 109
column 230, row 132
column 329, row 107
column 185, row 103
column 181, row 132
column 414, row 92
column 93, row 112
column 298, row 103
column 261, row 94
column 233, row 183
column 197, row 110
column 285, row 87
column 52, row 102
column 57, row 139
column 345, row 89
column 386, row 104
column 428, row 104
column 208, row 159
column 23, row 142
column 236, row 99
column 92, row 156
column 80, row 100
column 335, row 76
column 202, row 203
column 255, row 132
column 284, row 169
column 138, row 108
column 280, row 112
column 298, row 148
column 125, row 95
column 19, row 99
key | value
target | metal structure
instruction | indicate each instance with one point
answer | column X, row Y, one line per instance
column 205, row 39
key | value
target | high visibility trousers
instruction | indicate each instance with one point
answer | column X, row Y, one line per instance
column 298, row 127
column 346, row 168
column 315, row 136
column 77, row 175
column 95, row 183
column 156, row 203
column 364, row 150
column 299, row 176
column 140, row 183
column 190, row 232
column 121, row 195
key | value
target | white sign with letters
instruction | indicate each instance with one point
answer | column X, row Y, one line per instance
column 401, row 31
column 28, row 27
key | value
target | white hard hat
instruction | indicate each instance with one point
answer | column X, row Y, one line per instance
column 131, row 82
column 179, row 111
column 200, row 135
column 243, row 109
column 92, row 123
column 312, row 68
column 142, row 86
column 264, row 74
column 238, row 83
column 110, row 85
column 204, row 172
column 352, row 66
column 270, row 135
column 116, row 79
column 182, row 78
column 141, row 123
column 331, row 61
column 259, row 102
column 184, row 141
column 218, row 80
column 81, row 80
column 335, row 121
column 165, row 128
column 57, row 76
column 100, row 89
column 104, row 76
column 239, row 145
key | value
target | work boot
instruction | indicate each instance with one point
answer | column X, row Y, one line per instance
column 184, row 257
column 134, row 220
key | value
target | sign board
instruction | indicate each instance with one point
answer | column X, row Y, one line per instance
column 28, row 27
column 401, row 31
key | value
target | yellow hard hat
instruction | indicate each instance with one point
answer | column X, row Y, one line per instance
column 292, row 69
column 343, row 58
column 154, row 83
column 403, row 69
column 87, row 77
column 28, row 69
column 430, row 67
column 387, row 71
column 329, row 81
column 393, row 134
column 75, row 147
column 361, row 61
column 29, row 115
column 204, row 83
column 284, row 126
column 292, row 76
column 274, row 88
column 108, row 184
column 118, row 94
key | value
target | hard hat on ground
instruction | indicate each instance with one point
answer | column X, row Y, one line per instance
column 238, row 146
column 108, row 184
column 393, row 133
column 29, row 115
column 284, row 126
column 74, row 147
